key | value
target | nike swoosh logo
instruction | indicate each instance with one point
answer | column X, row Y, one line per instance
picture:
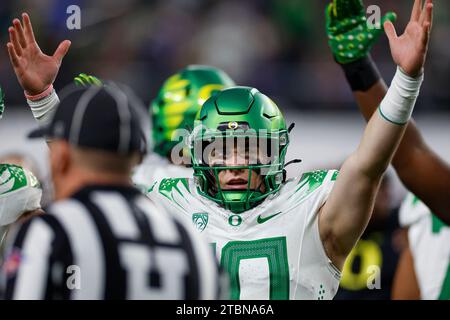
column 262, row 220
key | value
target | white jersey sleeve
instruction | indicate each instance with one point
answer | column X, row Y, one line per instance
column 44, row 108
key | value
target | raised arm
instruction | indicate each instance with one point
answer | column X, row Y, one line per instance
column 345, row 215
column 420, row 169
column 405, row 285
column 35, row 70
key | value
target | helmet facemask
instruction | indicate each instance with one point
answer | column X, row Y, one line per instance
column 238, row 168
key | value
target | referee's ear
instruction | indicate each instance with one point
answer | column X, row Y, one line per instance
column 60, row 160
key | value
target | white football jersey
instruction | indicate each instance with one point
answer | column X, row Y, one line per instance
column 155, row 168
column 272, row 251
column 429, row 241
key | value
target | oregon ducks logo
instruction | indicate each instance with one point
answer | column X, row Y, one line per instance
column 235, row 220
column 370, row 257
column 233, row 125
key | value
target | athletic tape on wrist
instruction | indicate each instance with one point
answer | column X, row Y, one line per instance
column 43, row 109
column 398, row 104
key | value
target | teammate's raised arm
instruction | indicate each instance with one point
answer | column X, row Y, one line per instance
column 35, row 70
column 347, row 211
column 420, row 169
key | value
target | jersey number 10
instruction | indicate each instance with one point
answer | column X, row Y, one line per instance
column 273, row 249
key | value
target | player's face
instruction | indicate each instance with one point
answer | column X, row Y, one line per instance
column 236, row 179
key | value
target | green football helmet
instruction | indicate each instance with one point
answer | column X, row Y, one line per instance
column 237, row 120
column 180, row 99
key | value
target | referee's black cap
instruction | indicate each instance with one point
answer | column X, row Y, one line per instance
column 96, row 117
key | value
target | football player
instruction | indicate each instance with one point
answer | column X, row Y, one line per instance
column 20, row 196
column 20, row 199
column 420, row 169
column 20, row 192
column 423, row 271
column 370, row 268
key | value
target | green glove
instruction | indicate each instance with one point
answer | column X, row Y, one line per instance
column 349, row 36
column 87, row 80
column 2, row 102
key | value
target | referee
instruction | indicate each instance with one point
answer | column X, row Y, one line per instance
column 102, row 239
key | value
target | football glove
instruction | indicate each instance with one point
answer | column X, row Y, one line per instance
column 85, row 80
column 349, row 35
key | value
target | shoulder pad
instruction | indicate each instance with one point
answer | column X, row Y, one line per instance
column 170, row 185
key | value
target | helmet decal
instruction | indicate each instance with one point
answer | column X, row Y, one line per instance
column 179, row 100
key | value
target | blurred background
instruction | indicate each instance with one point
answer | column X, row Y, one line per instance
column 278, row 46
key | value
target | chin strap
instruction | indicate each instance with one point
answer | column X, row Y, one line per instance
column 289, row 163
column 291, row 127
column 292, row 162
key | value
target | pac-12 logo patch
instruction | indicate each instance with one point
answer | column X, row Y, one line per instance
column 200, row 220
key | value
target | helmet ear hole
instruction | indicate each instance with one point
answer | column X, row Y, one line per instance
column 188, row 90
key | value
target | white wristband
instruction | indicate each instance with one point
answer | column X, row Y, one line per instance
column 44, row 108
column 398, row 104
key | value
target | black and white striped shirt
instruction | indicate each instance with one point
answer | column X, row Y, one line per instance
column 108, row 243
